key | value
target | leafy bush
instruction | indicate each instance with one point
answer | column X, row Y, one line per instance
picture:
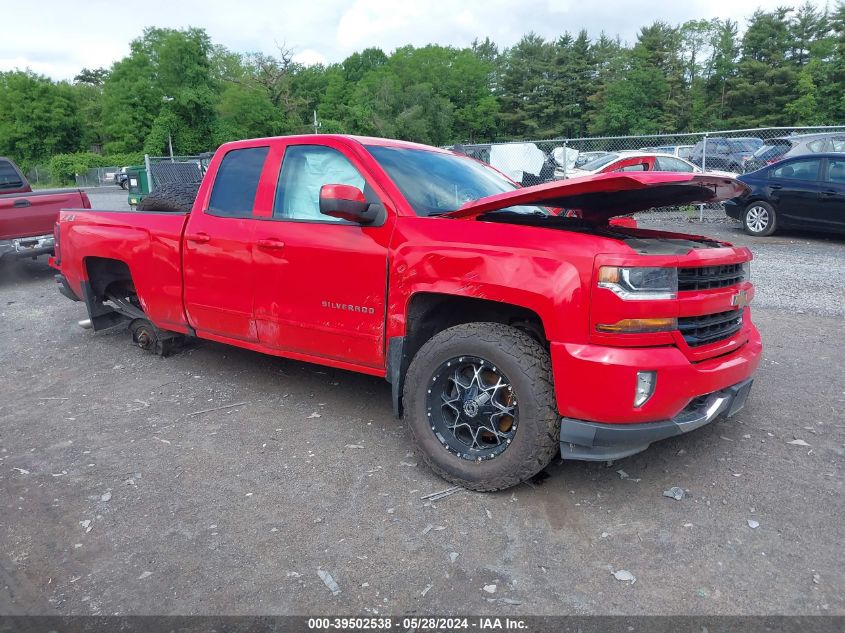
column 63, row 167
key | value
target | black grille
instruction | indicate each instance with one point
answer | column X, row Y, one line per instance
column 702, row 330
column 706, row 277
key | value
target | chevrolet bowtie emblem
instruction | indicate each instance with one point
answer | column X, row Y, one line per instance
column 740, row 299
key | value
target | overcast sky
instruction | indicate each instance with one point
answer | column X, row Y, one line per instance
column 58, row 38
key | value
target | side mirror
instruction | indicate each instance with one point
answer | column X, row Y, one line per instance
column 347, row 203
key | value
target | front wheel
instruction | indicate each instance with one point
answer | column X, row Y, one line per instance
column 759, row 219
column 480, row 404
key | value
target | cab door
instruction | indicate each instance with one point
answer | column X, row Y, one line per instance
column 795, row 187
column 217, row 256
column 832, row 196
column 321, row 282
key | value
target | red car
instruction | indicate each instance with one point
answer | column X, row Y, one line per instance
column 26, row 217
column 636, row 161
column 508, row 333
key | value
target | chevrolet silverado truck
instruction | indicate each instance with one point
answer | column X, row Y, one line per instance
column 27, row 217
column 510, row 332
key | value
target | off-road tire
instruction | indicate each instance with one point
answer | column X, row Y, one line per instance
column 754, row 214
column 177, row 197
column 528, row 367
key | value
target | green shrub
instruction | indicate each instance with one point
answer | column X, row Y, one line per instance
column 64, row 167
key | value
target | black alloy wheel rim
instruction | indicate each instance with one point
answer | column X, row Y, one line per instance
column 472, row 408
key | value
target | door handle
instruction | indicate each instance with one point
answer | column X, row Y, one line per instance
column 21, row 203
column 829, row 193
column 271, row 244
column 775, row 186
column 199, row 238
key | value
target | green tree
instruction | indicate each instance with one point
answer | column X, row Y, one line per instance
column 526, row 91
column 721, row 69
column 38, row 117
column 646, row 99
column 166, row 82
column 765, row 81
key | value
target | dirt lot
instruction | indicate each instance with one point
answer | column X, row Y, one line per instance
column 119, row 496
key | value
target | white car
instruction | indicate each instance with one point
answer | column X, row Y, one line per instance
column 636, row 161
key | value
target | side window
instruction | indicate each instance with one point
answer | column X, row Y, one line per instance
column 798, row 170
column 305, row 169
column 836, row 171
column 637, row 167
column 236, row 182
column 667, row 163
column 837, row 144
column 816, row 146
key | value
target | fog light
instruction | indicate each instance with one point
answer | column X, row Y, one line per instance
column 645, row 387
column 639, row 326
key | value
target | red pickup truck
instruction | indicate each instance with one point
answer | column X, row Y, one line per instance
column 27, row 217
column 509, row 333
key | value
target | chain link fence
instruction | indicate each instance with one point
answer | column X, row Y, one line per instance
column 734, row 152
column 99, row 177
column 172, row 169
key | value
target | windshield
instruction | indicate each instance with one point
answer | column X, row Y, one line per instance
column 600, row 162
column 435, row 183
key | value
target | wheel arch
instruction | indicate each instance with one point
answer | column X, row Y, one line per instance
column 102, row 274
column 431, row 312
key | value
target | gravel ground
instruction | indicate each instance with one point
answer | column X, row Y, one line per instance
column 119, row 495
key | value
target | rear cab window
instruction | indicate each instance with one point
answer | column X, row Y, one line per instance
column 9, row 176
column 236, row 182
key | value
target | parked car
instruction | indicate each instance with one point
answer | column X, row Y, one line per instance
column 729, row 154
column 509, row 334
column 807, row 192
column 121, row 178
column 681, row 151
column 638, row 161
column 27, row 217
column 776, row 149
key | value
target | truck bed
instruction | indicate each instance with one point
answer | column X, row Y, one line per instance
column 35, row 213
column 149, row 241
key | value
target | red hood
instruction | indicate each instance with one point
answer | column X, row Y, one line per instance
column 606, row 195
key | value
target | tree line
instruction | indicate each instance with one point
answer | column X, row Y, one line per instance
column 787, row 67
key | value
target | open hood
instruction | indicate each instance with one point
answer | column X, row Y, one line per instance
column 607, row 195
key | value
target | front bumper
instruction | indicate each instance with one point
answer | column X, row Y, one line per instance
column 594, row 441
column 27, row 246
column 597, row 382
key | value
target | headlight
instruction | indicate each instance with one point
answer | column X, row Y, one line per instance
column 640, row 283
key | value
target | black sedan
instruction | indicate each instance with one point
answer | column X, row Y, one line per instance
column 806, row 192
